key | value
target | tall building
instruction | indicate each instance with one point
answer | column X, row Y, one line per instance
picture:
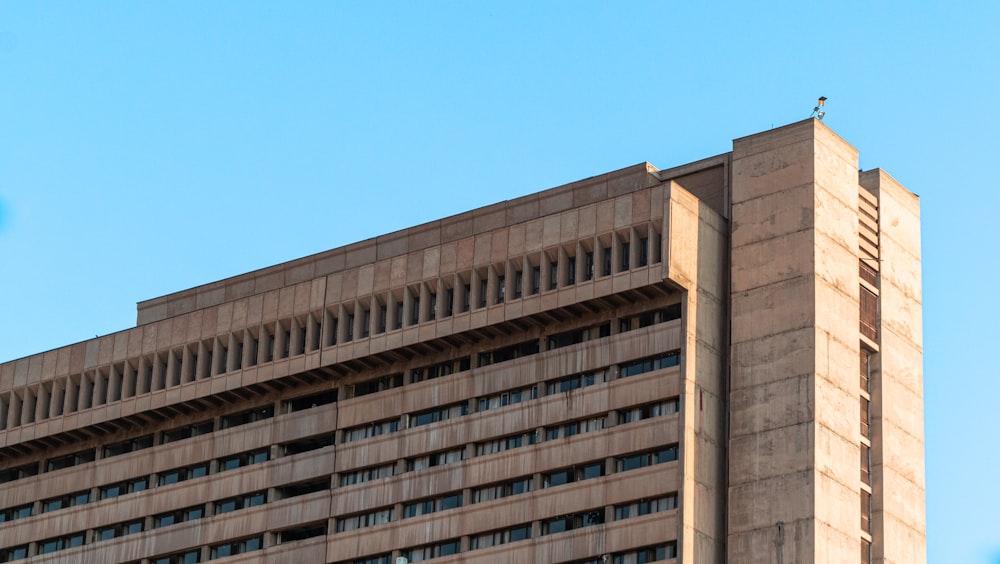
column 641, row 366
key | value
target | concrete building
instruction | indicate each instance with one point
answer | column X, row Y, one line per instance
column 644, row 365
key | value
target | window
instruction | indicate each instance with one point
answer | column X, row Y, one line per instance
column 240, row 502
column 303, row 488
column 179, row 516
column 243, row 459
column 373, row 429
column 574, row 382
column 504, row 536
column 248, row 416
column 441, row 369
column 367, row 474
column 649, row 364
column 866, row 418
column 433, row 505
column 13, row 553
column 536, row 279
column 518, row 284
column 302, row 533
column 606, row 253
column 16, row 513
column 126, row 487
column 18, row 472
column 314, row 400
column 187, row 432
column 78, row 498
column 445, row 548
column 310, row 444
column 503, row 489
column 634, row 461
column 865, row 371
column 60, row 543
column 506, row 398
column 644, row 251
column 869, row 314
column 575, row 521
column 553, row 275
column 571, row 271
column 579, row 335
column 646, row 506
column 588, row 266
column 866, row 511
column 866, row 464
column 643, row 555
column 439, row 414
column 437, row 459
column 501, row 290
column 566, row 430
column 181, row 474
column 626, row 251
column 130, row 445
column 70, row 460
column 641, row 412
column 188, row 557
column 573, row 474
column 508, row 353
column 374, row 385
column 506, row 443
column 119, row 530
column 364, row 520
column 236, row 547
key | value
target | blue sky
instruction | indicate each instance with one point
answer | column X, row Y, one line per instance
column 147, row 147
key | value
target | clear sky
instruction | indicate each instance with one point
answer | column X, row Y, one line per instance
column 147, row 147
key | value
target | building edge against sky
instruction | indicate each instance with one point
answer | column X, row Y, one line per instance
column 717, row 362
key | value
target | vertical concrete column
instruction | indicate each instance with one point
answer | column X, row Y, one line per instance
column 329, row 337
column 408, row 306
column 42, row 403
column 898, row 528
column 115, row 384
column 794, row 300
column 28, row 408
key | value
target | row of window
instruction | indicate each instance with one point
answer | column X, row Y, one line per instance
column 139, row 484
column 502, row 399
column 168, row 436
column 563, row 430
column 174, row 517
column 173, row 368
column 552, row 526
column 554, row 478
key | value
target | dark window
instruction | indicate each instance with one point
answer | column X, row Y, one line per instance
column 643, row 251
column 588, row 267
column 536, row 279
column 244, row 417
column 131, row 445
column 553, row 275
column 311, row 401
column 242, row 459
column 70, row 460
column 303, row 488
column 15, row 513
column 571, row 271
column 649, row 364
column 606, row 251
column 187, row 432
column 518, row 284
column 302, row 533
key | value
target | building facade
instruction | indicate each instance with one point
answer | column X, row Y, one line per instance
column 641, row 366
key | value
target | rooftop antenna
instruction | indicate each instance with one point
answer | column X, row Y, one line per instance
column 818, row 111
